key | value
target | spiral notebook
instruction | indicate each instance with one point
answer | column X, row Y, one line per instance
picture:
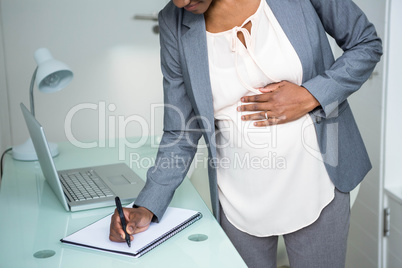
column 96, row 235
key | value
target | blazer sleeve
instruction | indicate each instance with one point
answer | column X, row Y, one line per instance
column 181, row 130
column 356, row 36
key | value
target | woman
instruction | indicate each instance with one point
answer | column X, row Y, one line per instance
column 258, row 80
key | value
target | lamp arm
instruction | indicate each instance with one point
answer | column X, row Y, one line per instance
column 31, row 98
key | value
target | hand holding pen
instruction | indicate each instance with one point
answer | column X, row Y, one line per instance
column 136, row 220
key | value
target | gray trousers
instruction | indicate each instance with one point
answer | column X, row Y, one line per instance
column 321, row 244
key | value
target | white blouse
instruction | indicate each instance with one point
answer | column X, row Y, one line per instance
column 271, row 180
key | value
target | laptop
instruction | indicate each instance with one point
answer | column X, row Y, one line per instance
column 83, row 188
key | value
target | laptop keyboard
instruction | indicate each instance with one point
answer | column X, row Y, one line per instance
column 84, row 186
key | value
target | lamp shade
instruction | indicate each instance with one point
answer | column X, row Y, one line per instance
column 52, row 75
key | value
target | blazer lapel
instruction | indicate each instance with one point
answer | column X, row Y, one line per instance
column 291, row 18
column 196, row 58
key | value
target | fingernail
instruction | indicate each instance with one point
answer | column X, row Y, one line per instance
column 130, row 230
column 243, row 118
column 242, row 99
column 239, row 109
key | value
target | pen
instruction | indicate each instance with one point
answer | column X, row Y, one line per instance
column 122, row 219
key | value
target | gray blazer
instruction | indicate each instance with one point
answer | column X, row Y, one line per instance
column 188, row 113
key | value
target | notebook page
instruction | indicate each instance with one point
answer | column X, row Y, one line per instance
column 96, row 235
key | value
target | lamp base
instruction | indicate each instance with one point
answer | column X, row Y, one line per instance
column 26, row 151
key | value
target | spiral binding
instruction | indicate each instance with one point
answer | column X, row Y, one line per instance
column 168, row 235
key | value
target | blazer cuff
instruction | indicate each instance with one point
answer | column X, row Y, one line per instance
column 326, row 93
column 156, row 198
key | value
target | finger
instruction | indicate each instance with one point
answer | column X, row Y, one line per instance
column 254, row 107
column 131, row 227
column 137, row 223
column 116, row 231
column 137, row 226
column 271, row 121
column 256, row 98
column 141, row 229
column 130, row 223
column 256, row 116
column 265, row 123
column 270, row 87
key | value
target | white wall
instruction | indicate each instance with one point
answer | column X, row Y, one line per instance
column 115, row 60
column 393, row 142
column 365, row 235
column 5, row 135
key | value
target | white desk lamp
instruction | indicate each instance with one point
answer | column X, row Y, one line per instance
column 51, row 76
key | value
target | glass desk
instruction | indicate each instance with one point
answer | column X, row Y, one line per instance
column 34, row 221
